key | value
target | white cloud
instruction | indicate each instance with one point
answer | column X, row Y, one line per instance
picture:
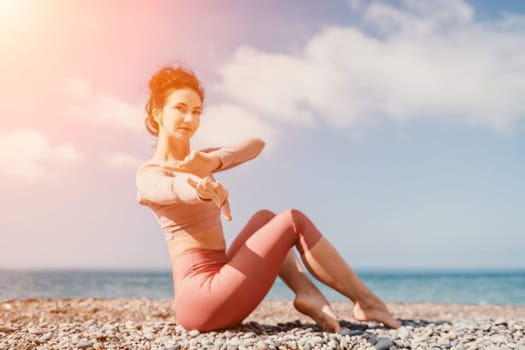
column 428, row 59
column 272, row 85
column 100, row 108
column 119, row 160
column 225, row 123
column 25, row 152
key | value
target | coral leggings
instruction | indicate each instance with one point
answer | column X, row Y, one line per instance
column 217, row 289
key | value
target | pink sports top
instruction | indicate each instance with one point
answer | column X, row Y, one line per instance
column 175, row 203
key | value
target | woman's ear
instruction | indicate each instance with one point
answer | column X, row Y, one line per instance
column 157, row 116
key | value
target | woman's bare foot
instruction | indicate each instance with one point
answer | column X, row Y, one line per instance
column 315, row 305
column 375, row 311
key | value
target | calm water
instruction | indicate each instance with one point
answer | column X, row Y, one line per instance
column 474, row 287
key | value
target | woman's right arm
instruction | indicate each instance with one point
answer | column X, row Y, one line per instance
column 154, row 185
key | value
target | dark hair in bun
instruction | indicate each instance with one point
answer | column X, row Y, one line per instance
column 165, row 80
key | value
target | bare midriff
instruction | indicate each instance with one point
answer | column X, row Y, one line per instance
column 207, row 239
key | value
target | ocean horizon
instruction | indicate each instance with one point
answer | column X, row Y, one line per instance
column 465, row 286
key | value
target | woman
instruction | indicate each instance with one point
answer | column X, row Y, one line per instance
column 217, row 287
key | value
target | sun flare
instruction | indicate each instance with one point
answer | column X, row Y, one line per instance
column 6, row 6
column 7, row 11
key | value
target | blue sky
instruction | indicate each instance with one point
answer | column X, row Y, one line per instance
column 398, row 127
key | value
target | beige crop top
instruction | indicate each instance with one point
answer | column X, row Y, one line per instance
column 175, row 204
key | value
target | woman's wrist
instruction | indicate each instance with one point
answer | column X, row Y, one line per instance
column 219, row 163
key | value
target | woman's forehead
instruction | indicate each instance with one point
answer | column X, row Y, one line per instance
column 186, row 96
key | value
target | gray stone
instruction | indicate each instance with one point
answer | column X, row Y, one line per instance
column 501, row 322
column 235, row 341
column 174, row 347
column 45, row 338
column 383, row 343
column 499, row 339
column 344, row 331
column 486, row 327
column 403, row 332
column 332, row 344
column 36, row 331
column 316, row 339
column 84, row 344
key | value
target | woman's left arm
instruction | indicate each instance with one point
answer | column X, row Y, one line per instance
column 210, row 160
column 236, row 153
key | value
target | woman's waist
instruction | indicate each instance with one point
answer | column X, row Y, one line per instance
column 199, row 230
column 198, row 260
column 183, row 241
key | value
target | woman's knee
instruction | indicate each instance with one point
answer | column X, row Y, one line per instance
column 264, row 214
column 308, row 235
column 293, row 214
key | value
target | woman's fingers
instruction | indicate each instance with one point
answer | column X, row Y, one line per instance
column 214, row 191
column 225, row 203
column 193, row 183
column 199, row 163
column 204, row 188
column 226, row 210
column 174, row 166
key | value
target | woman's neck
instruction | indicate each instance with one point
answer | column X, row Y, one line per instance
column 169, row 150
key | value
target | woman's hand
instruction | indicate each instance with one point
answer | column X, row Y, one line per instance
column 201, row 164
column 214, row 191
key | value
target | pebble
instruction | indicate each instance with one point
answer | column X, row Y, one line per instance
column 36, row 331
column 84, row 345
column 383, row 343
column 194, row 333
column 144, row 331
column 261, row 345
column 4, row 329
column 45, row 338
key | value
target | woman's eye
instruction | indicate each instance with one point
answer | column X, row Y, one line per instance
column 180, row 108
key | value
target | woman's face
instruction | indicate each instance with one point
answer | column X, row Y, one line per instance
column 180, row 116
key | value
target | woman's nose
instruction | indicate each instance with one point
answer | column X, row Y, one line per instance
column 188, row 117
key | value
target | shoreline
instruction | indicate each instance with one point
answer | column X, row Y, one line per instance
column 98, row 323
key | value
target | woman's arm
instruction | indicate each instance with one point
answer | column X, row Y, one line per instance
column 236, row 153
column 210, row 160
column 154, row 185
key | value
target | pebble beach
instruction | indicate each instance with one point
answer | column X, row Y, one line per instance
column 47, row 324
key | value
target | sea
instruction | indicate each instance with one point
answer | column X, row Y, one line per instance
column 482, row 287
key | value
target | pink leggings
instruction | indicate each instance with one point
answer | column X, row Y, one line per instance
column 217, row 289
